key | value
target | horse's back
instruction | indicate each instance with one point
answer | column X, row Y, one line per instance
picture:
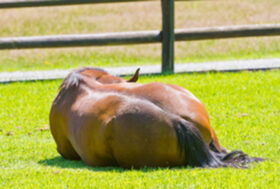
column 176, row 100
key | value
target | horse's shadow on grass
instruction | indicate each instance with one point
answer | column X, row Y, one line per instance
column 60, row 162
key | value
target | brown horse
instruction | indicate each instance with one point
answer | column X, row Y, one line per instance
column 108, row 121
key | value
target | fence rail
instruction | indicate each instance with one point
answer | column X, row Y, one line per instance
column 227, row 32
column 41, row 3
column 139, row 37
column 80, row 40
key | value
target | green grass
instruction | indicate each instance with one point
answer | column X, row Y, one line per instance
column 67, row 59
column 244, row 109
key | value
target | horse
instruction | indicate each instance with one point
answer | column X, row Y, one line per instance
column 105, row 120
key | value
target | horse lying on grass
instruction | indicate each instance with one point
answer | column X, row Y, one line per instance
column 108, row 121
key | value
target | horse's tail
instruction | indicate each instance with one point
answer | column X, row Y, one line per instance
column 237, row 158
column 199, row 154
column 191, row 143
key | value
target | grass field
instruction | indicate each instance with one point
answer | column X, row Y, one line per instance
column 134, row 17
column 244, row 109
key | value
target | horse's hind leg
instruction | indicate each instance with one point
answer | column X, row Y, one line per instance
column 65, row 148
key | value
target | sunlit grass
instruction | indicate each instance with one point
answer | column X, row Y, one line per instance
column 244, row 109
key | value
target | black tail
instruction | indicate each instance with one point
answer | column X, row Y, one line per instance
column 196, row 151
column 199, row 154
column 237, row 158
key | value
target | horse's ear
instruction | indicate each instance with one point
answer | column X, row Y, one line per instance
column 135, row 77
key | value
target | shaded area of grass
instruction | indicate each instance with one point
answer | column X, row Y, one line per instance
column 243, row 107
column 62, row 163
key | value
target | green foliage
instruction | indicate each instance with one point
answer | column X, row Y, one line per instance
column 244, row 109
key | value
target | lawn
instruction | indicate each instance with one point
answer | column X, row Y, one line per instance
column 244, row 109
column 134, row 17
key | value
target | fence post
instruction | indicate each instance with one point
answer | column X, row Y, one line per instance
column 167, row 62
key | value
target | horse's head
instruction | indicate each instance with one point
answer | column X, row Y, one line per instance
column 105, row 78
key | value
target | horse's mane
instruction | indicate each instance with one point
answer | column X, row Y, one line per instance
column 75, row 77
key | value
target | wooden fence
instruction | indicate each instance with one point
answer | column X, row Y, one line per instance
column 167, row 36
